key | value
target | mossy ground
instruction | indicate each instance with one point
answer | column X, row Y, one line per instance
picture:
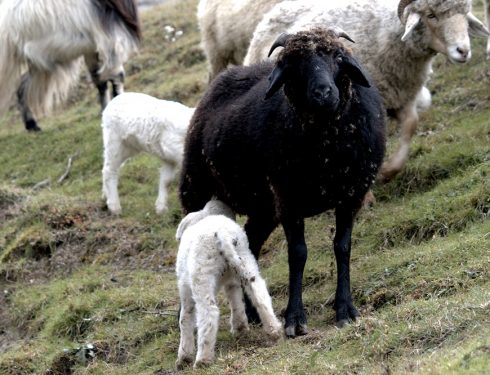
column 73, row 275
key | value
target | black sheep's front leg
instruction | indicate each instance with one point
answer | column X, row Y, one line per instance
column 295, row 316
column 345, row 310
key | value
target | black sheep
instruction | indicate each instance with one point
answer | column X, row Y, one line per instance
column 279, row 156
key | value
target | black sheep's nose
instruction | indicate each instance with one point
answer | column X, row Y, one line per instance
column 322, row 91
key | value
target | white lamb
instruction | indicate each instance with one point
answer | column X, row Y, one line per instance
column 133, row 123
column 214, row 253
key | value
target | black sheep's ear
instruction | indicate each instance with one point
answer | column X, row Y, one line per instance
column 354, row 71
column 276, row 80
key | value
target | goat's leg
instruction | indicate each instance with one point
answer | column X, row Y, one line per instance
column 487, row 19
column 345, row 310
column 93, row 64
column 30, row 122
column 296, row 323
column 258, row 229
column 187, row 322
column 238, row 320
column 207, row 316
column 118, row 82
column 115, row 154
column 408, row 119
column 167, row 174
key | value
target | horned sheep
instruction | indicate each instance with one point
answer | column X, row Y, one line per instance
column 315, row 143
column 134, row 123
column 395, row 40
column 214, row 254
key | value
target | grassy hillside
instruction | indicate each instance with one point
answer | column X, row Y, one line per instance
column 75, row 281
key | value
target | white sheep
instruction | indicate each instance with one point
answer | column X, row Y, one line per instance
column 134, row 123
column 214, row 254
column 396, row 42
column 226, row 29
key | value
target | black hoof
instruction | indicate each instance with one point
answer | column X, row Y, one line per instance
column 296, row 330
column 31, row 126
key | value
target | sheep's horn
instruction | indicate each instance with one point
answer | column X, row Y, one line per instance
column 401, row 7
column 341, row 33
column 280, row 42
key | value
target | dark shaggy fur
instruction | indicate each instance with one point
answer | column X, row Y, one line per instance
column 120, row 11
column 315, row 146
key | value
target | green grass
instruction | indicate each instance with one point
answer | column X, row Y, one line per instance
column 73, row 275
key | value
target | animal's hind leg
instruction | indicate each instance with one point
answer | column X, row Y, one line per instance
column 238, row 320
column 118, row 82
column 115, row 154
column 30, row 122
column 207, row 316
column 295, row 316
column 408, row 119
column 167, row 174
column 187, row 322
column 93, row 64
column 258, row 229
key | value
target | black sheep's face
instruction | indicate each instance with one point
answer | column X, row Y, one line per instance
column 311, row 78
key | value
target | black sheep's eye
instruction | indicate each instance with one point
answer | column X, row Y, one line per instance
column 338, row 58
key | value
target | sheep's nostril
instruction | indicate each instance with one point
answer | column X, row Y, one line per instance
column 322, row 92
column 463, row 52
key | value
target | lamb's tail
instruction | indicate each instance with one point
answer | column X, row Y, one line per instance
column 245, row 266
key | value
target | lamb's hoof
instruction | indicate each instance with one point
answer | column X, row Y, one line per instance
column 181, row 363
column 160, row 210
column 114, row 210
column 203, row 363
column 296, row 330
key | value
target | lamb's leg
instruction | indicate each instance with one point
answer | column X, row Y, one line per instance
column 258, row 229
column 167, row 174
column 30, row 122
column 408, row 119
column 234, row 294
column 187, row 322
column 115, row 154
column 295, row 316
column 93, row 64
column 207, row 316
column 345, row 309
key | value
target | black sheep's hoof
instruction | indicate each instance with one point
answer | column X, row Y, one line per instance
column 346, row 314
column 296, row 324
column 296, row 330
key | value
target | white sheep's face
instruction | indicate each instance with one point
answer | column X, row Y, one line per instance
column 446, row 26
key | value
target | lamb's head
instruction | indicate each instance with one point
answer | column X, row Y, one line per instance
column 314, row 68
column 441, row 25
column 213, row 207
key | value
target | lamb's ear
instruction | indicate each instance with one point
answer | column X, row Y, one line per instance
column 188, row 220
column 276, row 80
column 354, row 71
